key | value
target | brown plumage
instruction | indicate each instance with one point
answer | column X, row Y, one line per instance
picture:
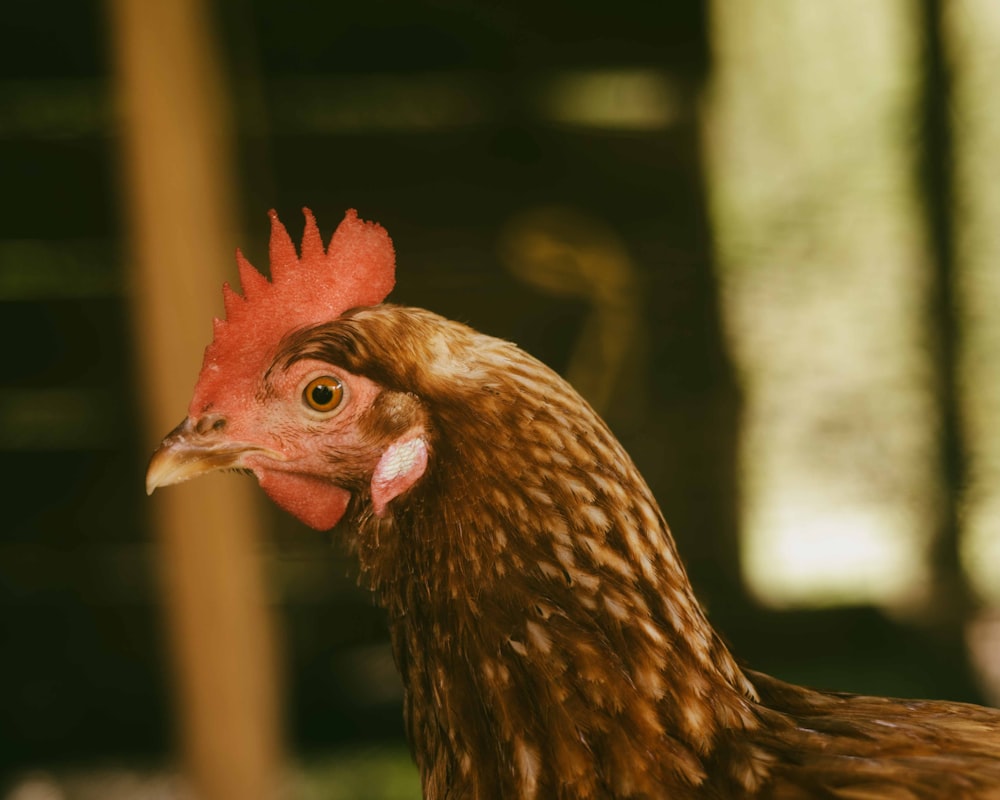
column 548, row 639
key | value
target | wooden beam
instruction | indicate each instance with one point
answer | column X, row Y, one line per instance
column 179, row 199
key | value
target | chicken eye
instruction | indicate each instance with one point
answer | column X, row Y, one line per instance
column 324, row 394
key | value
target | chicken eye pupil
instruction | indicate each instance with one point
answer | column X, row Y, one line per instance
column 324, row 394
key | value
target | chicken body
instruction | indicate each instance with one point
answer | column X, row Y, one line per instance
column 549, row 641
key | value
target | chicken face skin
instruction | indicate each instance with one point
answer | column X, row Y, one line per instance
column 310, row 461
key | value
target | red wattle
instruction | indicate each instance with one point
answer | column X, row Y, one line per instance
column 317, row 503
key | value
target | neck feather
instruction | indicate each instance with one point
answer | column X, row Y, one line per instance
column 543, row 624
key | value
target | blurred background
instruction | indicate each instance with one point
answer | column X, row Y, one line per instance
column 761, row 238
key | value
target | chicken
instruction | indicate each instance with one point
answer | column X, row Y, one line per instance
column 549, row 641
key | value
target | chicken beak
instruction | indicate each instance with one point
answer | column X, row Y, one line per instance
column 195, row 448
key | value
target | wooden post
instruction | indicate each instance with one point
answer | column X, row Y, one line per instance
column 179, row 196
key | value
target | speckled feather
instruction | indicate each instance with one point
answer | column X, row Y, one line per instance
column 548, row 638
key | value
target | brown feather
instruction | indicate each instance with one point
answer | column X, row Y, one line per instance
column 548, row 638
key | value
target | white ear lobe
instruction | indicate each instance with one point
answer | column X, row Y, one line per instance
column 400, row 466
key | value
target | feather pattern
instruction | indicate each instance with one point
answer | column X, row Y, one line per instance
column 548, row 638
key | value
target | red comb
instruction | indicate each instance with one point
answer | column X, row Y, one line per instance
column 357, row 269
